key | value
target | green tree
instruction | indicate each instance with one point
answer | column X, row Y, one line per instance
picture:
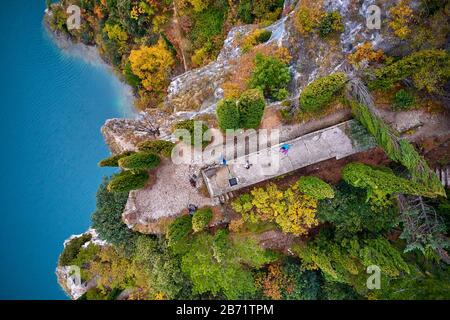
column 178, row 232
column 350, row 213
column 380, row 184
column 429, row 70
column 162, row 269
column 318, row 94
column 228, row 114
column 107, row 218
column 251, row 108
column 331, row 23
column 113, row 161
column 216, row 266
column 315, row 188
column 128, row 180
column 271, row 75
column 140, row 161
column 72, row 248
column 160, row 147
column 201, row 219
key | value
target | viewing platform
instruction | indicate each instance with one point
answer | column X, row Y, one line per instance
column 338, row 141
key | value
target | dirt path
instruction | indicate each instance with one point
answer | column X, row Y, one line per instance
column 178, row 35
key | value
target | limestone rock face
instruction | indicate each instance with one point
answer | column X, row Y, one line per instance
column 125, row 134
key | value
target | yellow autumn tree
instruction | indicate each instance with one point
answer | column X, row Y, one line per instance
column 152, row 65
column 292, row 210
column 117, row 34
column 401, row 18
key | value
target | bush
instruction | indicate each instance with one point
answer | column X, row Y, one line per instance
column 315, row 188
column 251, row 108
column 160, row 147
column 331, row 23
column 113, row 161
column 403, row 100
column 271, row 75
column 318, row 94
column 178, row 230
column 128, row 180
column 429, row 69
column 380, row 184
column 140, row 161
column 254, row 38
column 228, row 114
column 245, row 11
column 308, row 18
column 72, row 249
column 196, row 136
column 267, row 11
column 201, row 219
column 246, row 113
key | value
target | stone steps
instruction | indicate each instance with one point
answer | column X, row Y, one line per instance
column 226, row 197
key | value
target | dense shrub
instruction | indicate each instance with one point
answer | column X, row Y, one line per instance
column 315, row 188
column 178, row 230
column 308, row 17
column 267, row 11
column 366, row 53
column 201, row 218
column 113, row 161
column 140, row 161
column 244, row 113
column 350, row 213
column 72, row 249
column 244, row 11
column 379, row 183
column 219, row 266
column 403, row 100
column 228, row 114
column 302, row 284
column 318, row 94
column 331, row 23
column 251, row 108
column 346, row 260
column 197, row 136
column 128, row 180
column 401, row 17
column 429, row 69
column 206, row 34
column 271, row 75
column 159, row 147
column 254, row 38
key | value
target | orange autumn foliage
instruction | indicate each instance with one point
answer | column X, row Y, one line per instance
column 273, row 282
column 366, row 52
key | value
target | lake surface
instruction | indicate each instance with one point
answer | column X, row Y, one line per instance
column 51, row 110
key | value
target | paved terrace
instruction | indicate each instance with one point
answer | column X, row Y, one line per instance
column 337, row 142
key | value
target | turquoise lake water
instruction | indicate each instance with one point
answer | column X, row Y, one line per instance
column 51, row 110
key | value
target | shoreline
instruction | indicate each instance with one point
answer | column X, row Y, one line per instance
column 91, row 56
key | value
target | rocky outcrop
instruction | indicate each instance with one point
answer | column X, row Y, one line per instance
column 68, row 277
